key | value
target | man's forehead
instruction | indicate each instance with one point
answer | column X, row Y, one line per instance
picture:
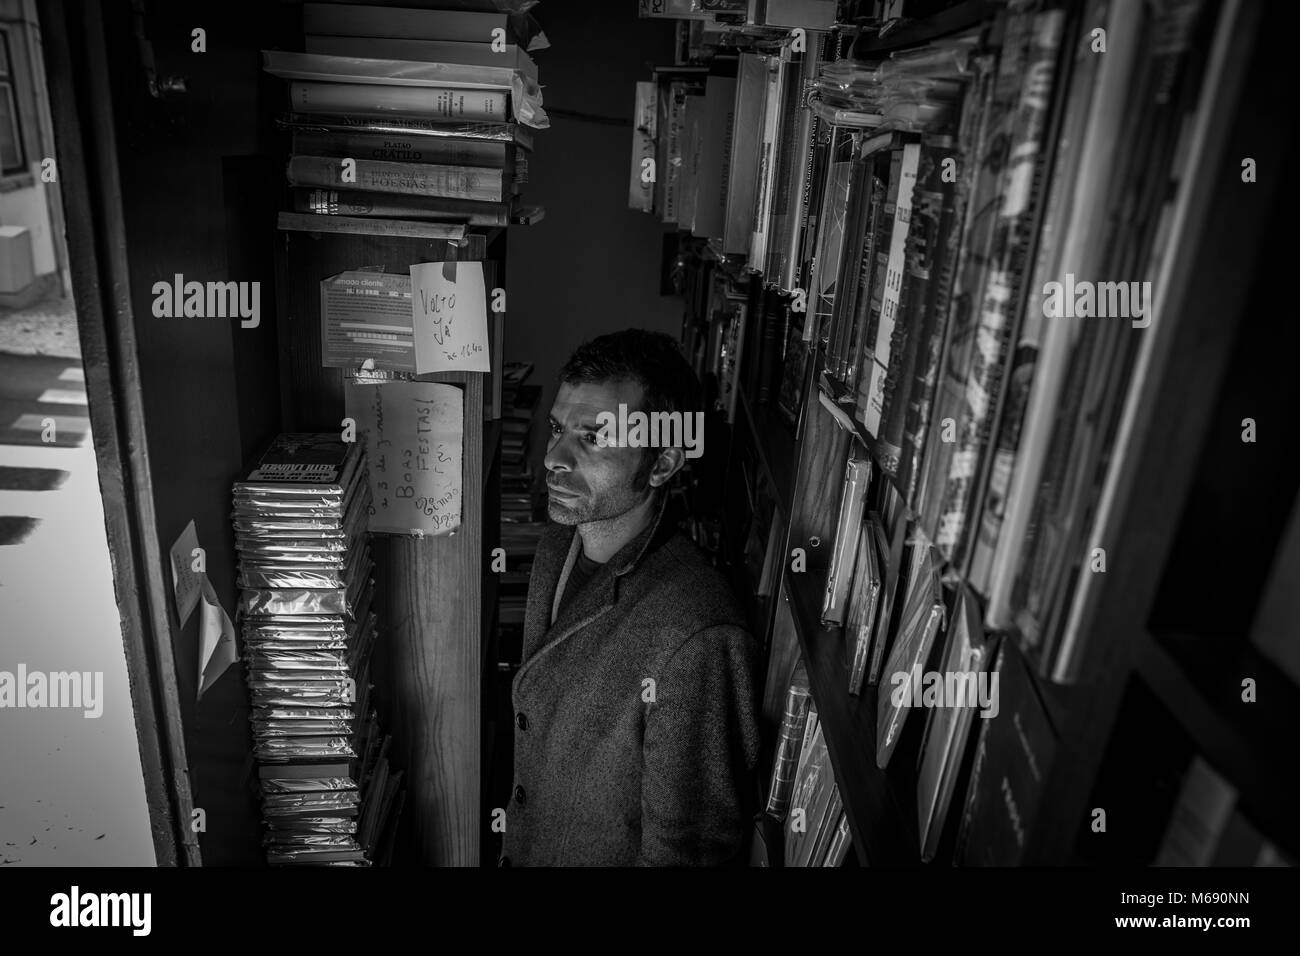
column 588, row 399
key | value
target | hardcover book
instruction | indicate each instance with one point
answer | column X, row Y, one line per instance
column 968, row 653
column 861, row 624
column 416, row 179
column 789, row 744
column 872, row 387
column 1012, row 758
column 921, row 621
column 743, row 166
column 472, row 105
column 857, row 475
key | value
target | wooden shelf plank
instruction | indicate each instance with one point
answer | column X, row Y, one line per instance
column 368, row 226
column 881, row 804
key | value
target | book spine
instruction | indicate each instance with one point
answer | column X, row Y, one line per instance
column 348, row 202
column 663, row 112
column 775, row 314
column 425, row 51
column 789, row 744
column 788, row 276
column 883, row 223
column 891, row 589
column 392, row 124
column 862, row 609
column 812, row 200
column 937, row 226
column 992, row 557
column 792, row 129
column 742, row 151
column 409, row 179
column 855, row 270
column 640, row 194
column 819, row 136
column 880, row 358
column 793, row 367
column 866, row 305
column 1000, row 305
column 1092, row 163
column 986, row 159
column 427, row 102
column 393, row 149
column 854, row 219
column 672, row 175
column 857, row 475
column 830, row 235
column 776, row 71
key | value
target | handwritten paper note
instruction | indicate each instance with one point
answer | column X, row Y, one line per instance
column 414, row 434
column 185, row 579
column 449, row 306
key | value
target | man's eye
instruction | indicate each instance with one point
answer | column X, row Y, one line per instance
column 555, row 429
column 591, row 438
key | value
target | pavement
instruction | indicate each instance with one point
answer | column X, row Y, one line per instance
column 48, row 327
column 71, row 787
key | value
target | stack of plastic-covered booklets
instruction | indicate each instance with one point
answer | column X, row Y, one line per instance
column 300, row 517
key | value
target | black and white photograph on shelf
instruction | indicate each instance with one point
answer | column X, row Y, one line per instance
column 655, row 433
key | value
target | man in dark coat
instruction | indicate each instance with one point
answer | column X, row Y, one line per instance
column 636, row 734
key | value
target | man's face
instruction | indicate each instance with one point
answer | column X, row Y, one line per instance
column 585, row 481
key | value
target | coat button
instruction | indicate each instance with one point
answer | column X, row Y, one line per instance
column 520, row 796
column 521, row 720
column 504, row 861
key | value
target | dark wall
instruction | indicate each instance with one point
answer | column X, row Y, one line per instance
column 199, row 189
column 592, row 265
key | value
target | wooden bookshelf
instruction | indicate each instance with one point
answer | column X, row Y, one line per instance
column 1215, row 236
column 432, row 593
column 880, row 804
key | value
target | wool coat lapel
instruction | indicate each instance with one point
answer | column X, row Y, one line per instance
column 557, row 552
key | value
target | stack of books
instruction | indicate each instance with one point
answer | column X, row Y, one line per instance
column 519, row 407
column 521, row 520
column 410, row 114
column 802, row 794
column 308, row 629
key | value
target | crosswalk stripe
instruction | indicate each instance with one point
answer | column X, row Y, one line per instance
column 73, row 375
column 37, row 505
column 36, row 423
column 63, row 396
column 15, row 529
column 45, row 456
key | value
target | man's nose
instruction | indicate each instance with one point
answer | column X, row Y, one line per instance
column 559, row 455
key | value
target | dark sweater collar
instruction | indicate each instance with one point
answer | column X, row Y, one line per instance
column 662, row 527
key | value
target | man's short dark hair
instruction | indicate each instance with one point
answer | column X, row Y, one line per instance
column 652, row 359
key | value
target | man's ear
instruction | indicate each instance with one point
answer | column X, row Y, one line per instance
column 668, row 463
